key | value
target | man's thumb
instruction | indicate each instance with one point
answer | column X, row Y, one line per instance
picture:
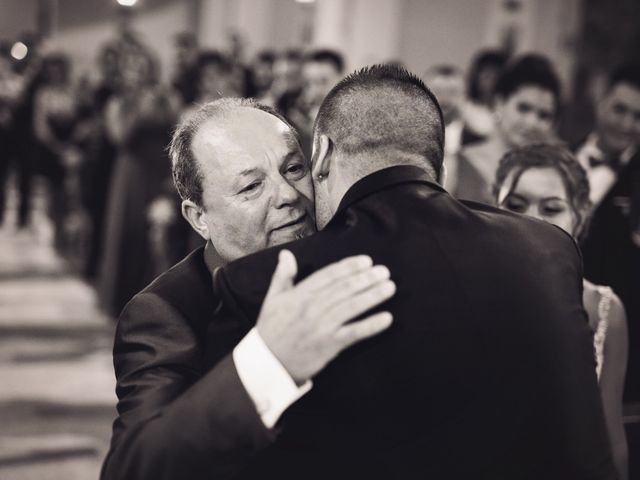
column 284, row 274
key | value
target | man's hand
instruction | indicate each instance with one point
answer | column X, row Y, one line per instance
column 306, row 326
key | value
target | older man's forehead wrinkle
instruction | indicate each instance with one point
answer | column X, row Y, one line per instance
column 292, row 141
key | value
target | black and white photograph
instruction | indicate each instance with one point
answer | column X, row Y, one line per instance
column 319, row 239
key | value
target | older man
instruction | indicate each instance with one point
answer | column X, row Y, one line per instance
column 199, row 397
column 487, row 371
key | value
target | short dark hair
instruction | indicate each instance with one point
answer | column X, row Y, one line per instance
column 554, row 156
column 628, row 74
column 293, row 55
column 484, row 59
column 529, row 70
column 214, row 58
column 444, row 70
column 384, row 108
column 327, row 56
column 266, row 56
column 187, row 175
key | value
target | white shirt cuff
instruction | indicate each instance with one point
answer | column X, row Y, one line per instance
column 267, row 382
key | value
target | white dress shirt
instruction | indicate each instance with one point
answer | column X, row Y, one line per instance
column 267, row 382
column 601, row 177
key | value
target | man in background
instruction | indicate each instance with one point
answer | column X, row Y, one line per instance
column 611, row 247
column 321, row 70
column 447, row 84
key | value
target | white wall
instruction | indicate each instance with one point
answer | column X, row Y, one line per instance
column 420, row 33
column 17, row 17
column 441, row 31
column 156, row 27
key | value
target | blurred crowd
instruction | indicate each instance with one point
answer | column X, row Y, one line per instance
column 100, row 144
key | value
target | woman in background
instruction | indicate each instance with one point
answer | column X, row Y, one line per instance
column 485, row 70
column 139, row 118
column 55, row 115
column 548, row 183
column 525, row 106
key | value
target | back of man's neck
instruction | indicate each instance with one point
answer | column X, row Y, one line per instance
column 362, row 166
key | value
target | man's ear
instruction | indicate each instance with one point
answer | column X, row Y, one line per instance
column 195, row 216
column 322, row 158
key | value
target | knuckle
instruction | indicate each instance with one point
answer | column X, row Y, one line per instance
column 352, row 283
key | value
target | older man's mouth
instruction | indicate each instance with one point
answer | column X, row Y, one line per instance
column 293, row 224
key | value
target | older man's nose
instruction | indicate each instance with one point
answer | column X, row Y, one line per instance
column 286, row 194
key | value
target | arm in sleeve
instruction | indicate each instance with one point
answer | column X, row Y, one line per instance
column 176, row 421
column 574, row 412
column 268, row 383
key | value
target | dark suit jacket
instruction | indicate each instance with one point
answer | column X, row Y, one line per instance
column 183, row 412
column 488, row 369
column 611, row 258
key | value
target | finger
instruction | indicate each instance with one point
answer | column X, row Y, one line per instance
column 357, row 304
column 355, row 332
column 284, row 273
column 351, row 285
column 335, row 271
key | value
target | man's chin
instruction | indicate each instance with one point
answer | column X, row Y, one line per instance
column 291, row 234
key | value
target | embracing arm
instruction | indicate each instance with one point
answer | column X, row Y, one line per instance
column 176, row 421
column 575, row 412
column 612, row 383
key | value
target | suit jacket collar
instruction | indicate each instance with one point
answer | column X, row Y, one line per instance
column 382, row 179
column 210, row 257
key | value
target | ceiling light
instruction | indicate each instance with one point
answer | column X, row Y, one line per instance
column 19, row 50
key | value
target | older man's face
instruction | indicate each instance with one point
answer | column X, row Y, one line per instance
column 257, row 187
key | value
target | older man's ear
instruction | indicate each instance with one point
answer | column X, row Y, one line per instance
column 194, row 214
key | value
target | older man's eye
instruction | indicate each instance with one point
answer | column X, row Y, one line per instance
column 296, row 170
column 250, row 188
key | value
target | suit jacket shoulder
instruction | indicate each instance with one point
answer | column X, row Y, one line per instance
column 183, row 412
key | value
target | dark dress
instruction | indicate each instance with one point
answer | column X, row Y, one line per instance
column 612, row 258
column 139, row 176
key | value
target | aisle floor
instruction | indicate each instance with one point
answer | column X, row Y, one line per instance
column 57, row 397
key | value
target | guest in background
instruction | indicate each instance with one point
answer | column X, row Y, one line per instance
column 611, row 247
column 215, row 78
column 546, row 182
column 321, row 70
column 55, row 114
column 11, row 90
column 99, row 155
column 486, row 68
column 262, row 75
column 525, row 107
column 287, row 77
column 186, row 66
column 447, row 84
column 138, row 120
column 29, row 69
